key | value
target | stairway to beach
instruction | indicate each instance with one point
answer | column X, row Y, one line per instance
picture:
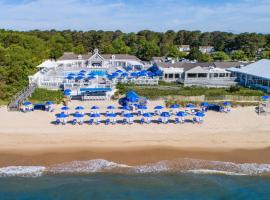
column 20, row 97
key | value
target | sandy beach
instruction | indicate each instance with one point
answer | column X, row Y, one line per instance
column 31, row 139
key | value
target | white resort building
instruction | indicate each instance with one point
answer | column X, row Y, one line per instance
column 212, row 74
column 92, row 76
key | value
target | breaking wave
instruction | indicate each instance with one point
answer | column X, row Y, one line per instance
column 184, row 165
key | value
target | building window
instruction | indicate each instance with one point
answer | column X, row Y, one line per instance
column 170, row 75
column 192, row 75
column 177, row 75
column 202, row 75
column 222, row 75
column 166, row 75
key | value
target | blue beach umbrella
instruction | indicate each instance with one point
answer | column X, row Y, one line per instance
column 125, row 108
column 190, row 105
column 111, row 115
column 70, row 77
column 204, row 104
column 61, row 115
column 79, row 108
column 200, row 114
column 181, row 114
column 175, row 106
column 140, row 107
column 147, row 115
column 65, row 108
column 49, row 103
column 119, row 71
column 124, row 75
column 95, row 115
column 227, row 103
column 67, row 92
column 94, row 107
column 82, row 71
column 128, row 115
column 165, row 114
column 78, row 115
column 79, row 78
column 265, row 98
column 27, row 103
column 158, row 107
column 71, row 74
column 110, row 107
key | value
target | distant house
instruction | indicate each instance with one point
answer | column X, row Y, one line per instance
column 206, row 49
column 183, row 48
column 207, row 74
column 255, row 75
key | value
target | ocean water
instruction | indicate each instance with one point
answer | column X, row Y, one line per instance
column 100, row 179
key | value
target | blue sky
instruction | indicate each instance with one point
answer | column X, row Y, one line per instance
column 134, row 15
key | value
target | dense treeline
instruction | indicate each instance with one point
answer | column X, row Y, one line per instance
column 21, row 52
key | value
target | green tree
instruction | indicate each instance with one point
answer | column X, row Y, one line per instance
column 147, row 50
column 266, row 54
column 220, row 55
column 79, row 49
column 238, row 55
column 195, row 54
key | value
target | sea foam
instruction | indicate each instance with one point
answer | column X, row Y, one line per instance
column 183, row 165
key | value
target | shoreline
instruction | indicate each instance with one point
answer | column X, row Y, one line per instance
column 132, row 156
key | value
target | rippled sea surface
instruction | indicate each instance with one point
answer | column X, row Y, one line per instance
column 101, row 179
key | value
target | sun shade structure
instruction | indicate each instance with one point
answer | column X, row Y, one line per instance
column 61, row 115
column 175, row 106
column 111, row 115
column 158, row 107
column 27, row 103
column 140, row 107
column 227, row 103
column 147, row 115
column 190, row 105
column 165, row 114
column 49, row 103
column 265, row 98
column 95, row 115
column 65, row 108
column 132, row 96
column 128, row 115
column 200, row 114
column 94, row 107
column 204, row 104
column 110, row 107
column 78, row 115
column 181, row 114
column 79, row 108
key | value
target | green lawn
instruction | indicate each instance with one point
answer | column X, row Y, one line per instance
column 42, row 95
column 153, row 92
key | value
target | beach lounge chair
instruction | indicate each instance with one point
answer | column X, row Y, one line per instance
column 142, row 121
column 198, row 120
column 159, row 120
column 74, row 121
column 107, row 121
column 91, row 121
column 57, row 121
column 81, row 122
column 125, row 121
column 177, row 121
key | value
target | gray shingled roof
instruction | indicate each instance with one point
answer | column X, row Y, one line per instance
column 72, row 56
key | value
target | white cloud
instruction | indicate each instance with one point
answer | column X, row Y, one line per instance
column 159, row 15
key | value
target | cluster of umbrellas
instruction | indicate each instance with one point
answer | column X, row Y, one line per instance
column 126, row 114
column 82, row 75
column 135, row 74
